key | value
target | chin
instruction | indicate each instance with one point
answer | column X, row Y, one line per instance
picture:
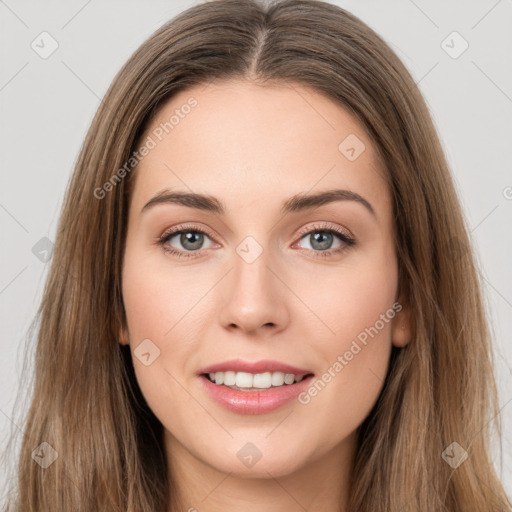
column 246, row 459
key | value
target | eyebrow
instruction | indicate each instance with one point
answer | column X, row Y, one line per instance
column 296, row 203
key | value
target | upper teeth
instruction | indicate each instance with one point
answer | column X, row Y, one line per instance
column 254, row 380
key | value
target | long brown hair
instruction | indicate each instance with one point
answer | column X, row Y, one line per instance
column 440, row 388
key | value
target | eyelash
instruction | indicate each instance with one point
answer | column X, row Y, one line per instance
column 323, row 228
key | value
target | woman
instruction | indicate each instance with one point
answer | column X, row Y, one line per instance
column 262, row 295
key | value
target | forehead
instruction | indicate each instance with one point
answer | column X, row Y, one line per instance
column 247, row 143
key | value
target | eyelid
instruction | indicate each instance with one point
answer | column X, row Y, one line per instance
column 189, row 227
column 326, row 226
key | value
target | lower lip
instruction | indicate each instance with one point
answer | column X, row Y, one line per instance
column 254, row 402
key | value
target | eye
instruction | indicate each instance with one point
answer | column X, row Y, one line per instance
column 322, row 237
column 190, row 238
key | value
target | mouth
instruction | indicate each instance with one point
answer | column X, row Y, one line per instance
column 254, row 387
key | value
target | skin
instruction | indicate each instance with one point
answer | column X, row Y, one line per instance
column 252, row 147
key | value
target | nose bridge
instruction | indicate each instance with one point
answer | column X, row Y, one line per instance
column 251, row 272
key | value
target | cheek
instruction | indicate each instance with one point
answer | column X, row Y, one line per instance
column 345, row 300
column 158, row 299
column 162, row 322
column 353, row 341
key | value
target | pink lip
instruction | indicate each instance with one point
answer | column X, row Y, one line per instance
column 238, row 365
column 254, row 402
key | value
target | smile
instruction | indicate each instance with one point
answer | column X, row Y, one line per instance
column 260, row 387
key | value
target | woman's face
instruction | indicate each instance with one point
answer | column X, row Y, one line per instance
column 260, row 282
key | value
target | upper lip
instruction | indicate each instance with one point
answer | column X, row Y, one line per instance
column 267, row 365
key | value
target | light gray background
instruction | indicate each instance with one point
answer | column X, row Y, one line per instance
column 46, row 106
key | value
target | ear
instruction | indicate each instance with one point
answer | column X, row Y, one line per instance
column 401, row 330
column 123, row 337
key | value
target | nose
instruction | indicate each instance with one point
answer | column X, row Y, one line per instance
column 256, row 297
